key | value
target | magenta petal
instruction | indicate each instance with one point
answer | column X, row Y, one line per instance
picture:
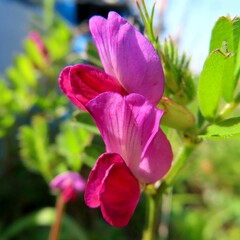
column 130, row 127
column 112, row 186
column 81, row 83
column 69, row 183
column 128, row 56
column 96, row 177
column 156, row 160
column 116, row 123
column 156, row 157
column 87, row 82
column 68, row 178
column 64, row 84
column 119, row 195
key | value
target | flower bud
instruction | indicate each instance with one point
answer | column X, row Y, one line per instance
column 176, row 116
column 69, row 184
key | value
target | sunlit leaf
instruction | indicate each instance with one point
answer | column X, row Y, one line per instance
column 6, row 93
column 25, row 67
column 34, row 54
column 236, row 33
column 34, row 144
column 222, row 32
column 229, row 82
column 210, row 84
column 15, row 77
column 71, row 143
column 27, row 149
column 225, row 36
column 60, row 34
column 229, row 128
column 237, row 65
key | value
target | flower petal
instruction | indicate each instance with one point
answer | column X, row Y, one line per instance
column 68, row 178
column 112, row 186
column 156, row 160
column 82, row 83
column 130, row 127
column 64, row 84
column 119, row 195
column 87, row 82
column 116, row 123
column 128, row 56
column 96, row 177
column 69, row 183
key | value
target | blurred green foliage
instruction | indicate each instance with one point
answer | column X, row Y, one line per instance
column 206, row 203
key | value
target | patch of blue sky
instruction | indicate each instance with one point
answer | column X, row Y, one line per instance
column 192, row 21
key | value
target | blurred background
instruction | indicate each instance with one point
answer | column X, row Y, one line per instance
column 42, row 134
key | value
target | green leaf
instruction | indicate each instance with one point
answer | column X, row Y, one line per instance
column 71, row 143
column 225, row 36
column 86, row 121
column 94, row 151
column 229, row 128
column 60, row 34
column 34, row 54
column 236, row 33
column 7, row 96
column 237, row 65
column 92, row 154
column 210, row 84
column 35, row 151
column 229, row 82
column 222, row 32
column 14, row 76
column 25, row 67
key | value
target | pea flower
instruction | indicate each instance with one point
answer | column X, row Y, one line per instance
column 137, row 153
column 130, row 62
column 69, row 184
column 36, row 38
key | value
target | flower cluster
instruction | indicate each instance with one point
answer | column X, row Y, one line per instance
column 122, row 100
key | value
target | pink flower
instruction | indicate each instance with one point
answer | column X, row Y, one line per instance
column 37, row 39
column 69, row 183
column 130, row 61
column 137, row 153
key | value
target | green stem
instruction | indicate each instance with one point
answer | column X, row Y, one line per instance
column 179, row 162
column 153, row 211
column 155, row 200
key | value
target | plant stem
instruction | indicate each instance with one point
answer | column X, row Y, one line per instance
column 55, row 230
column 179, row 162
column 153, row 207
column 155, row 200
